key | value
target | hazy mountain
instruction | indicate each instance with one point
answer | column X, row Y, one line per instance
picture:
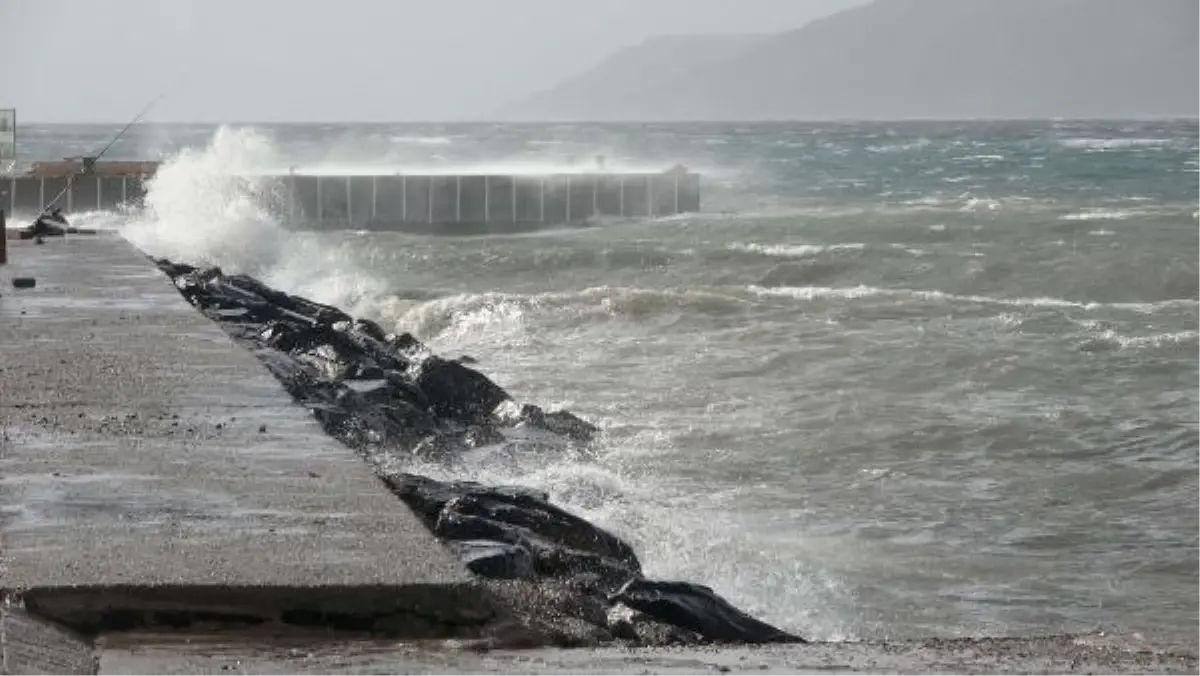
column 631, row 73
column 896, row 59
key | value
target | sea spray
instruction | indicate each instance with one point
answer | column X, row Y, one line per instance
column 212, row 205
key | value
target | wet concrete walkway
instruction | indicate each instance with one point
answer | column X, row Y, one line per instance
column 148, row 464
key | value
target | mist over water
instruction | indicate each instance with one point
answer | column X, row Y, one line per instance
column 897, row 380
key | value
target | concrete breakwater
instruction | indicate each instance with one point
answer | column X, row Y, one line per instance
column 158, row 478
column 387, row 395
column 451, row 204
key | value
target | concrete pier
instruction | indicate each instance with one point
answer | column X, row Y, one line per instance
column 450, row 204
column 151, row 468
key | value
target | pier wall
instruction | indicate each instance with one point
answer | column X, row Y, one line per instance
column 403, row 201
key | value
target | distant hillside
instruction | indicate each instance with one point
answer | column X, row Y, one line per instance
column 897, row 59
column 630, row 73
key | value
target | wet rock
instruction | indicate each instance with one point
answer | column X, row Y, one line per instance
column 560, row 544
column 458, row 392
column 699, row 609
column 374, row 390
column 494, row 559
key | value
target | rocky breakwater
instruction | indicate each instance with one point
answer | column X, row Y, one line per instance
column 562, row 579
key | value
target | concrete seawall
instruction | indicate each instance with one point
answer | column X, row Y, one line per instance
column 150, row 468
column 422, row 203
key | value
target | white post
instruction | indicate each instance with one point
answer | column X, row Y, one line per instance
column 124, row 191
column 621, row 180
column 374, row 196
column 487, row 199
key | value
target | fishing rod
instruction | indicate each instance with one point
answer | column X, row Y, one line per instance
column 88, row 163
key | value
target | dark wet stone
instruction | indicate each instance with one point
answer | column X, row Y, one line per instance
column 494, row 559
column 458, row 392
column 699, row 609
column 373, row 390
column 559, row 422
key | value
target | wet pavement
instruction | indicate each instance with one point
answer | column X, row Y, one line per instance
column 144, row 457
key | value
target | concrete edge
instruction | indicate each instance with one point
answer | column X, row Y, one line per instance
column 32, row 645
column 416, row 611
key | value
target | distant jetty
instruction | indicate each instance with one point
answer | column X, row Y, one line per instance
column 424, row 203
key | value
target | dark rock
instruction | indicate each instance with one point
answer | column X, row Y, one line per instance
column 548, row 613
column 373, row 390
column 563, row 423
column 699, row 609
column 482, row 435
column 458, row 392
column 493, row 559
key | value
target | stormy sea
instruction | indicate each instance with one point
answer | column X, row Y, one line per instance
column 895, row 380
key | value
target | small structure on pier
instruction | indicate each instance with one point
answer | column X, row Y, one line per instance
column 426, row 203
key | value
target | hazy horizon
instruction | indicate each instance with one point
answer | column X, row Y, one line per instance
column 369, row 61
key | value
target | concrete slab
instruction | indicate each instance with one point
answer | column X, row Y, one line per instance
column 266, row 655
column 31, row 645
column 150, row 465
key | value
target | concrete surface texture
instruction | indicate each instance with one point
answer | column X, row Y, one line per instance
column 31, row 645
column 147, row 464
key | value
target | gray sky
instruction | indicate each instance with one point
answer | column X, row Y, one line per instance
column 348, row 60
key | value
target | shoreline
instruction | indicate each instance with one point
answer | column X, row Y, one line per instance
column 180, row 650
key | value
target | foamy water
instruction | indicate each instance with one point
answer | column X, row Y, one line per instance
column 854, row 396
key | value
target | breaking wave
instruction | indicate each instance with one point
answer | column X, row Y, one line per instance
column 206, row 206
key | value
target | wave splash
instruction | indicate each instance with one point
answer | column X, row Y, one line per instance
column 212, row 205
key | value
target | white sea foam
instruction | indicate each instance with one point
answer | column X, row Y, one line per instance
column 794, row 250
column 809, row 293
